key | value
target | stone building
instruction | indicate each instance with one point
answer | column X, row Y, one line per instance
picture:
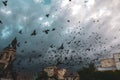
column 6, row 60
column 6, row 57
column 107, row 64
column 51, row 72
column 72, row 76
column 110, row 63
column 117, row 60
column 61, row 74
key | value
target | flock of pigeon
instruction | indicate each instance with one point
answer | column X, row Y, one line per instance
column 61, row 54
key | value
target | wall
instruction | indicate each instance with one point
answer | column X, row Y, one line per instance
column 117, row 60
column 105, row 63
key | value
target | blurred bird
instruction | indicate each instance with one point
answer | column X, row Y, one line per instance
column 47, row 15
column 20, row 32
column 46, row 31
column 33, row 33
column 1, row 22
column 61, row 47
column 5, row 2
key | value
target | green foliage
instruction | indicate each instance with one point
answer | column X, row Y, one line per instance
column 1, row 68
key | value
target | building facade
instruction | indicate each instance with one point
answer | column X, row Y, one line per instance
column 6, row 57
column 110, row 63
column 72, row 76
column 105, row 63
column 117, row 60
column 61, row 74
column 53, row 73
column 6, row 60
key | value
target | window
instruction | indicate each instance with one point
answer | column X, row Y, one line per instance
column 119, row 59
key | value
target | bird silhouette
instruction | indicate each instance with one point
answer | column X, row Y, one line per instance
column 18, row 44
column 33, row 33
column 68, row 20
column 20, row 32
column 61, row 47
column 1, row 22
column 25, row 42
column 53, row 29
column 46, row 31
column 5, row 2
column 47, row 15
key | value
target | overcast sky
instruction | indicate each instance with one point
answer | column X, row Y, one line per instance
column 83, row 28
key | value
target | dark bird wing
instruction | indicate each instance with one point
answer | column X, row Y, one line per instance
column 61, row 47
column 1, row 22
column 33, row 33
column 14, row 43
column 20, row 32
column 47, row 15
column 46, row 31
column 5, row 3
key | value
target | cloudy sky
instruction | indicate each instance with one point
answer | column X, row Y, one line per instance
column 68, row 32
